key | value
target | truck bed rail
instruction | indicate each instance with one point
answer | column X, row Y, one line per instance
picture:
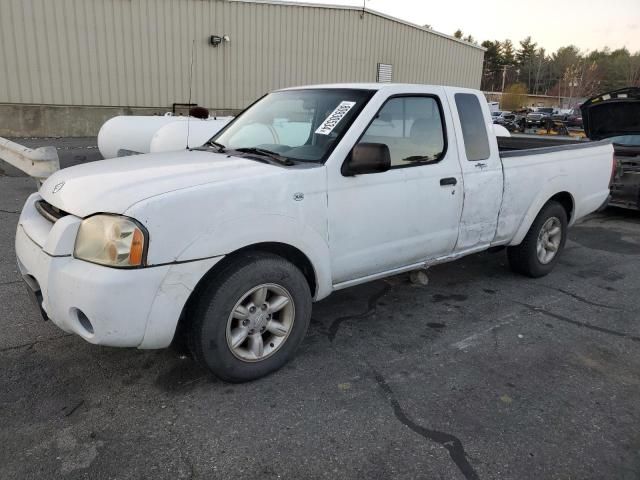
column 568, row 145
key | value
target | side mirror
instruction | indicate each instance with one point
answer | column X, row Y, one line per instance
column 367, row 158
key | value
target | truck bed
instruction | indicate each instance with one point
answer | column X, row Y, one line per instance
column 534, row 166
column 625, row 189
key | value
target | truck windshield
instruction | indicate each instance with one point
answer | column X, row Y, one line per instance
column 298, row 125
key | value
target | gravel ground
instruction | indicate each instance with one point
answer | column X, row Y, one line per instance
column 480, row 374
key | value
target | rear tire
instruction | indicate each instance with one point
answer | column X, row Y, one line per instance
column 541, row 247
column 250, row 318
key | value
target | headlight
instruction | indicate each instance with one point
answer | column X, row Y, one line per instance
column 111, row 240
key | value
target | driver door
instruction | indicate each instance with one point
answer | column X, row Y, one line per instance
column 383, row 221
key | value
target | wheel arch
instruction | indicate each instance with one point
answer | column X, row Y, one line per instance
column 566, row 200
column 288, row 252
column 294, row 255
column 563, row 197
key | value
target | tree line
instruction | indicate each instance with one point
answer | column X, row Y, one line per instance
column 567, row 72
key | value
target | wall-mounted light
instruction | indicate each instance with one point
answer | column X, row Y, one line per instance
column 215, row 40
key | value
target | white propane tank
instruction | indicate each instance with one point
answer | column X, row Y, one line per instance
column 131, row 133
column 173, row 136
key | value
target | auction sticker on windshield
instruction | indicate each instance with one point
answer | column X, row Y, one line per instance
column 334, row 118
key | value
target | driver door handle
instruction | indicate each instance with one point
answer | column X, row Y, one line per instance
column 448, row 181
column 481, row 165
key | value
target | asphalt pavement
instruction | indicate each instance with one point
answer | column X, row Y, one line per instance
column 482, row 374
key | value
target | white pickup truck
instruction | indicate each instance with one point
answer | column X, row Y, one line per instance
column 308, row 191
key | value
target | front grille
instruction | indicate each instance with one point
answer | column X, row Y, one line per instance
column 49, row 212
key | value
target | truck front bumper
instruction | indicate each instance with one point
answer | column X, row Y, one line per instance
column 107, row 306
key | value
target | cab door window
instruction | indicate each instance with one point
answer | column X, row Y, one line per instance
column 412, row 128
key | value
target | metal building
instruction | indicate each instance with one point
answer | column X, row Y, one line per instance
column 66, row 65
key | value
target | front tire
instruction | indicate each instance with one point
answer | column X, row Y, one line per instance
column 250, row 318
column 539, row 251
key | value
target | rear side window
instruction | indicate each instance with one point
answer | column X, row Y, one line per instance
column 474, row 132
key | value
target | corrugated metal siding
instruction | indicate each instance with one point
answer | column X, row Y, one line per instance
column 138, row 52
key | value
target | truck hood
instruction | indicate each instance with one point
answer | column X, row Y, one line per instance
column 113, row 185
column 612, row 114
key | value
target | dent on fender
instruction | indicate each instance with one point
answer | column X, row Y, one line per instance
column 175, row 290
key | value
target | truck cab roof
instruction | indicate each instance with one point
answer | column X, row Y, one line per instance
column 388, row 87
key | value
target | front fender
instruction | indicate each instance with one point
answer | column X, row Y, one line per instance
column 243, row 232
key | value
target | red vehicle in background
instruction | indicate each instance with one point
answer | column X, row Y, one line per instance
column 574, row 119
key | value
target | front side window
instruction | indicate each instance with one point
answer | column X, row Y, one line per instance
column 474, row 132
column 303, row 125
column 412, row 129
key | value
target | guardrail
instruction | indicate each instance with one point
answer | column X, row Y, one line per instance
column 38, row 163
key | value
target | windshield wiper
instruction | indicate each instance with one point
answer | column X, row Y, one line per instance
column 267, row 153
column 221, row 148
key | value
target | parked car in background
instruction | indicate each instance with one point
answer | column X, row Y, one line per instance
column 308, row 191
column 561, row 114
column 501, row 117
column 538, row 117
column 574, row 119
column 570, row 117
column 616, row 116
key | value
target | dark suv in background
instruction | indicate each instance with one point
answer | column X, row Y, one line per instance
column 537, row 118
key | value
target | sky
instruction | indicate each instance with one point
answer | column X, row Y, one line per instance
column 587, row 24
